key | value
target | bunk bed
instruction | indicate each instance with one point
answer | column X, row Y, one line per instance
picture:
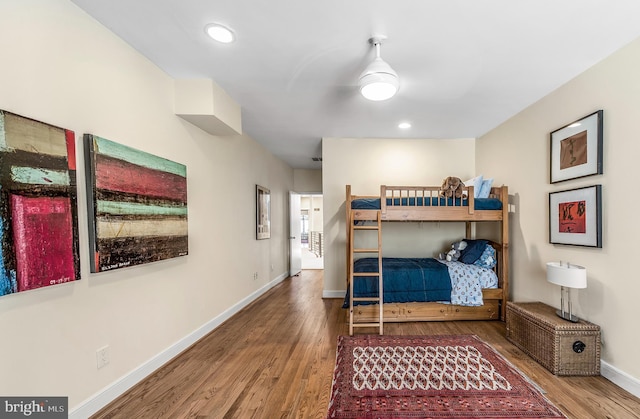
column 422, row 203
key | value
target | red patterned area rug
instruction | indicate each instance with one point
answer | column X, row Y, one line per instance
column 455, row 376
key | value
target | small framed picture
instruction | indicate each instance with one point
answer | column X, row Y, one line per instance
column 263, row 213
column 575, row 216
column 576, row 149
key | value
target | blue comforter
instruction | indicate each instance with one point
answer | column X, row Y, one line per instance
column 405, row 280
column 478, row 203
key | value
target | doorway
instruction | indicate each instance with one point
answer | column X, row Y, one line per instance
column 312, row 235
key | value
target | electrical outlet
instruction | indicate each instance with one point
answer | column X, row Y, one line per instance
column 255, row 276
column 102, row 356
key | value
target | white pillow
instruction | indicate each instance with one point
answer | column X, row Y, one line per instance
column 476, row 182
column 485, row 189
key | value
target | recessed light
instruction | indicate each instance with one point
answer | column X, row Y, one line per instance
column 404, row 125
column 220, row 33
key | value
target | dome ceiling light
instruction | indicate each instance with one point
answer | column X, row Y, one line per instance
column 378, row 81
column 220, row 33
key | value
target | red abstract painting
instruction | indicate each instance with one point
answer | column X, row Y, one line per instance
column 572, row 217
column 43, row 241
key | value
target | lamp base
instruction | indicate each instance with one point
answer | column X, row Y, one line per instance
column 568, row 316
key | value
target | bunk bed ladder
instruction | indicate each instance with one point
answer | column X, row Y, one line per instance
column 354, row 275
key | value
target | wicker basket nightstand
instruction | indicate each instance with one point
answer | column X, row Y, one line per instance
column 563, row 347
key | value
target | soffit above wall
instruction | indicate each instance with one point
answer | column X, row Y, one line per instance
column 204, row 104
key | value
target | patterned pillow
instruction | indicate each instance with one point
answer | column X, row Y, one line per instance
column 488, row 258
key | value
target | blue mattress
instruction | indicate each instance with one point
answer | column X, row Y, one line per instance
column 478, row 203
column 405, row 280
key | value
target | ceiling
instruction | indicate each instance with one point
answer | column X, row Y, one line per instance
column 465, row 66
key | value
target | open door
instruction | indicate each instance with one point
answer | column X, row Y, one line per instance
column 295, row 243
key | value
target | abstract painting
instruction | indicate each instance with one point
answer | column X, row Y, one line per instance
column 575, row 216
column 137, row 205
column 38, row 205
column 576, row 148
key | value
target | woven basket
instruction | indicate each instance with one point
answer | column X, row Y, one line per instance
column 552, row 341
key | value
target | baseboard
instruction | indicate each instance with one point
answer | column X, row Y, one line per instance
column 620, row 378
column 333, row 294
column 99, row 400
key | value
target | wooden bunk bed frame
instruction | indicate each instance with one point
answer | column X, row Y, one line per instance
column 495, row 300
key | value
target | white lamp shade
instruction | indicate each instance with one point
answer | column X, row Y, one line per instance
column 379, row 81
column 567, row 275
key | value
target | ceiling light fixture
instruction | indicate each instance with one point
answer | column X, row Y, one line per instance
column 378, row 81
column 404, row 125
column 220, row 33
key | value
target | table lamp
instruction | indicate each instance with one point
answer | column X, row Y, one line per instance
column 567, row 276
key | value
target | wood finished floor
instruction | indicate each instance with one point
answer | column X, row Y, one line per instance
column 275, row 359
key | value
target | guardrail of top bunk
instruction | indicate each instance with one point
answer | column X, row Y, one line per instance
column 405, row 194
column 351, row 197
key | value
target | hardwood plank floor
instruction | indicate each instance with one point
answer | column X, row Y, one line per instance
column 275, row 359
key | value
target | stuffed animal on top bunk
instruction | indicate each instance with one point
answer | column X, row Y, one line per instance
column 452, row 187
column 454, row 254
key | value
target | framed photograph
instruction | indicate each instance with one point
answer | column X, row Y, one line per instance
column 575, row 217
column 263, row 213
column 576, row 149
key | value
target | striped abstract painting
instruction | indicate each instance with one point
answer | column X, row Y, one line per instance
column 137, row 205
column 38, row 205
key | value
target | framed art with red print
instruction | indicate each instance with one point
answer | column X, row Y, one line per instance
column 575, row 216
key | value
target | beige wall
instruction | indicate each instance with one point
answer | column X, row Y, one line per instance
column 517, row 153
column 61, row 67
column 307, row 181
column 366, row 164
column 316, row 214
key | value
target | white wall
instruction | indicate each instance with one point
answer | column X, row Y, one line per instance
column 366, row 164
column 61, row 67
column 517, row 153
